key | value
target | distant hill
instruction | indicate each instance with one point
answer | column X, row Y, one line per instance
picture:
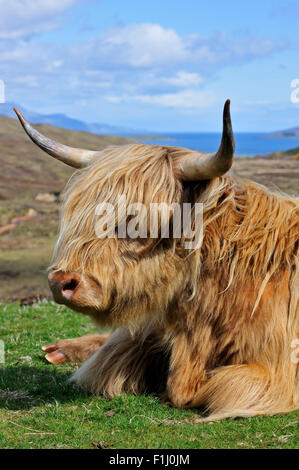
column 293, row 132
column 64, row 121
column 24, row 167
column 293, row 153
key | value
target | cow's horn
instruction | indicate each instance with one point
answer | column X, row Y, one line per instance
column 203, row 166
column 77, row 158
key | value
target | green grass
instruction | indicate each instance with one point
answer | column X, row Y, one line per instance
column 40, row 409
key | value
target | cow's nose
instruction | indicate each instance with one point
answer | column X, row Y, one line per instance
column 63, row 285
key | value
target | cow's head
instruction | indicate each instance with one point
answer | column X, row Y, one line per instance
column 116, row 279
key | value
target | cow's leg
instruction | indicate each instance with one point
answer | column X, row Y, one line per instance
column 187, row 371
column 74, row 350
column 126, row 364
column 227, row 391
column 246, row 390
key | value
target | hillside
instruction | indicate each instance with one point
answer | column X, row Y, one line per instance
column 293, row 132
column 26, row 172
column 292, row 152
column 23, row 163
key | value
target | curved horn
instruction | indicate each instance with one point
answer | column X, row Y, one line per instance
column 77, row 158
column 204, row 166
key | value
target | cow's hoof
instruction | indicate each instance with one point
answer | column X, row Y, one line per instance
column 50, row 348
column 55, row 355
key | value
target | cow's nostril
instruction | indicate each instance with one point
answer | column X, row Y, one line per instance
column 64, row 285
column 70, row 285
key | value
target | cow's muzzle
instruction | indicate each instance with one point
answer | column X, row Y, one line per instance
column 64, row 286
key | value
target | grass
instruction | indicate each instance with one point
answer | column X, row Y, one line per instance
column 40, row 409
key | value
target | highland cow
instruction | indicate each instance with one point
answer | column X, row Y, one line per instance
column 211, row 328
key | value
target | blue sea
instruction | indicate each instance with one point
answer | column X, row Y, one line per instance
column 246, row 143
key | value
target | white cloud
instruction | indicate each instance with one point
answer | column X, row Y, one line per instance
column 114, row 99
column 183, row 79
column 150, row 46
column 27, row 80
column 23, row 18
column 182, row 99
column 143, row 63
column 141, row 45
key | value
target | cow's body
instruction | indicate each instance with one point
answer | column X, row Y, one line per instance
column 210, row 328
column 228, row 349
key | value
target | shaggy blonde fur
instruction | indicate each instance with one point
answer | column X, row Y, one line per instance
column 211, row 328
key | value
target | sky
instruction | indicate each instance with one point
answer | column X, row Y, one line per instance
column 163, row 66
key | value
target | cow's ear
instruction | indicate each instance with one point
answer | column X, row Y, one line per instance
column 196, row 166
